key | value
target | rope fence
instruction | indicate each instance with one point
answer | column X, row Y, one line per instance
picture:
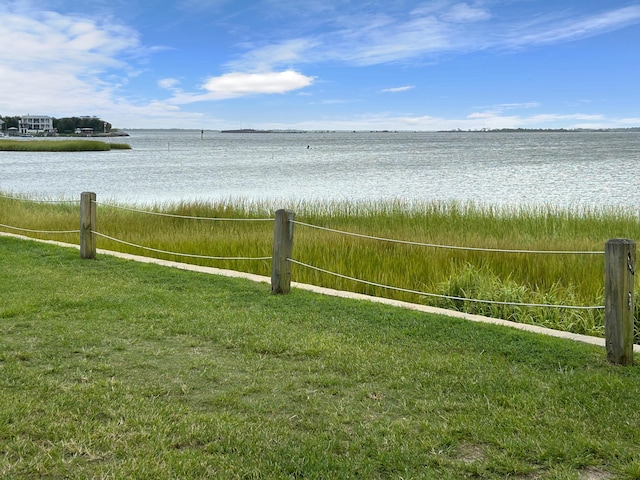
column 450, row 247
column 446, row 297
column 619, row 266
column 189, row 255
column 53, row 232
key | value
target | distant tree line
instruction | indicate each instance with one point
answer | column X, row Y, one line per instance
column 69, row 124
column 65, row 125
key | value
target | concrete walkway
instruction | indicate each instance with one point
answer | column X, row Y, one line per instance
column 339, row 293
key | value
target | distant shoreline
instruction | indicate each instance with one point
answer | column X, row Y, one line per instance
column 497, row 130
column 251, row 130
column 544, row 130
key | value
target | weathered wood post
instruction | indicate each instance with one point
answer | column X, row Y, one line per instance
column 620, row 267
column 87, row 225
column 282, row 248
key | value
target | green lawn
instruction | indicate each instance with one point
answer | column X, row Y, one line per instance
column 113, row 369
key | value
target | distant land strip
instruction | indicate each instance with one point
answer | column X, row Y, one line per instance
column 484, row 130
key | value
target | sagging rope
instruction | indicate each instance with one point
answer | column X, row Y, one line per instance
column 447, row 297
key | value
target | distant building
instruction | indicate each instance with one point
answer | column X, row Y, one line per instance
column 30, row 124
column 87, row 132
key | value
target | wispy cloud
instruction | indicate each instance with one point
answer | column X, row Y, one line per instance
column 512, row 106
column 464, row 13
column 474, row 121
column 169, row 83
column 439, row 28
column 397, row 89
column 571, row 29
column 274, row 55
column 502, row 107
column 547, row 118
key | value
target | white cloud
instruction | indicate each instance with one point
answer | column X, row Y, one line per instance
column 436, row 28
column 169, row 83
column 63, row 65
column 393, row 41
column 501, row 107
column 239, row 84
column 474, row 121
column 59, row 65
column 360, row 40
column 274, row 55
column 236, row 84
column 464, row 13
column 573, row 29
column 630, row 122
column 549, row 118
column 517, row 106
column 496, row 120
column 51, row 39
column 398, row 89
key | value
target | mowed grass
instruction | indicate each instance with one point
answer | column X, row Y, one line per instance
column 112, row 369
column 59, row 146
column 555, row 279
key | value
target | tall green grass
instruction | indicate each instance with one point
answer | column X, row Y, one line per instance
column 59, row 146
column 574, row 280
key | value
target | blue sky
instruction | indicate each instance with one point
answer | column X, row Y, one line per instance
column 324, row 64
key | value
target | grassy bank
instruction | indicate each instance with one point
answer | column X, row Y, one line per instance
column 521, row 278
column 59, row 146
column 111, row 369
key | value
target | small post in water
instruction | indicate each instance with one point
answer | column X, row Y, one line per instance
column 87, row 225
column 620, row 267
column 282, row 248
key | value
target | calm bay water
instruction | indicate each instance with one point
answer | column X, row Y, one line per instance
column 565, row 169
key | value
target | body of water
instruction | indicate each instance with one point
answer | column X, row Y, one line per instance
column 565, row 169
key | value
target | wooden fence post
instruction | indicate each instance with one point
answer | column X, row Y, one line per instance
column 282, row 248
column 87, row 225
column 620, row 266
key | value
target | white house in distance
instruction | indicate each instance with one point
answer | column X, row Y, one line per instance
column 30, row 124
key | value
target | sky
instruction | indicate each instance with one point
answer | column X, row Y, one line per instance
column 324, row 64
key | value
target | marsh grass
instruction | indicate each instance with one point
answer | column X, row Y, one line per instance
column 115, row 369
column 59, row 145
column 573, row 280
